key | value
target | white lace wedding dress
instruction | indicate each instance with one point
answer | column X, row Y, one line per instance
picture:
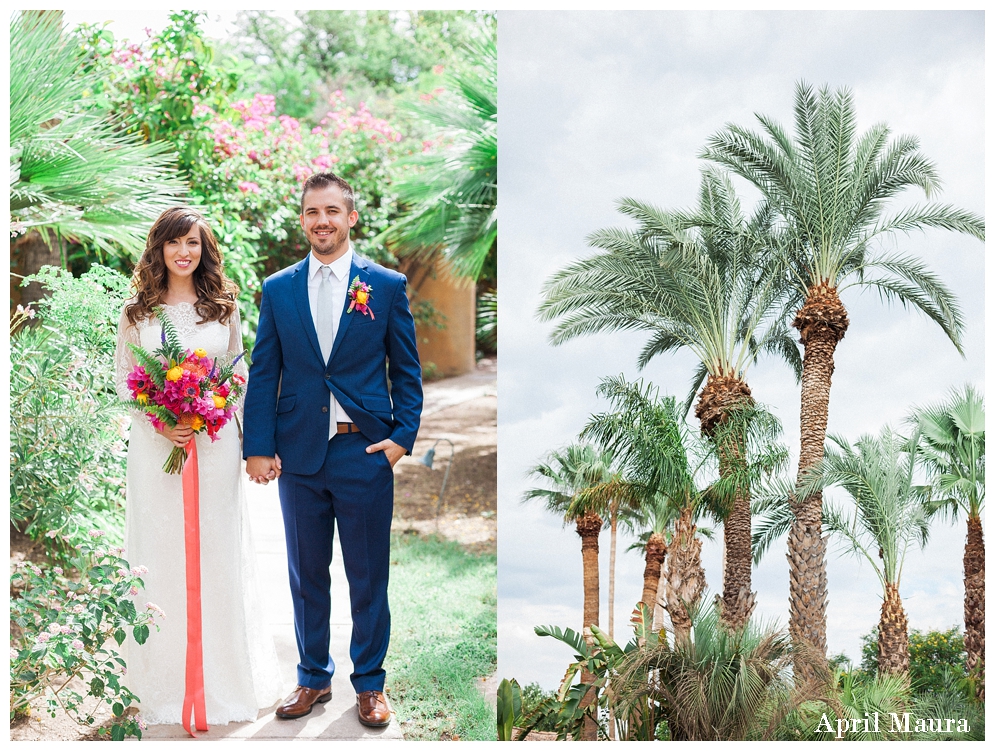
column 241, row 674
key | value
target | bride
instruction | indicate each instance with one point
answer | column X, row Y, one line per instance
column 180, row 272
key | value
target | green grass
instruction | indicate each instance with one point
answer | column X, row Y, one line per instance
column 443, row 604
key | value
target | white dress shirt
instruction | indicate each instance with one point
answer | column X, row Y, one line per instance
column 339, row 281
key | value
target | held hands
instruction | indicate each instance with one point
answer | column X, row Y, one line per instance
column 392, row 451
column 262, row 469
column 179, row 436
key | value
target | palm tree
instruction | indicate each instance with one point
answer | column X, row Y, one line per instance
column 953, row 452
column 718, row 685
column 452, row 192
column 695, row 281
column 657, row 517
column 831, row 187
column 646, row 435
column 570, row 471
column 75, row 172
column 890, row 514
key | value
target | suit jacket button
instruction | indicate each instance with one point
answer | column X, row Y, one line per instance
column 324, row 409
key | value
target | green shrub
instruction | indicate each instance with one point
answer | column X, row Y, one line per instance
column 935, row 658
column 67, row 430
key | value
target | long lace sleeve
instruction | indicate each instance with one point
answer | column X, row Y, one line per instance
column 124, row 359
column 235, row 346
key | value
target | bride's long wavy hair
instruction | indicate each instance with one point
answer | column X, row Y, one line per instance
column 216, row 293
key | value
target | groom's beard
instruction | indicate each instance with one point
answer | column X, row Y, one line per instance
column 331, row 250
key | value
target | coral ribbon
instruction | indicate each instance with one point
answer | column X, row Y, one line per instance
column 193, row 698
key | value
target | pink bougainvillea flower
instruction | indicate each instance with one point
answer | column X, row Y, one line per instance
column 249, row 187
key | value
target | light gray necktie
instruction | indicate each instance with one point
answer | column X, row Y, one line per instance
column 326, row 327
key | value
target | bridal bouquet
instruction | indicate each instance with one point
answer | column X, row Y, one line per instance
column 174, row 387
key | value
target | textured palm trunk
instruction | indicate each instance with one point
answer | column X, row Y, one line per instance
column 822, row 323
column 720, row 395
column 685, row 577
column 656, row 554
column 974, row 601
column 893, row 633
column 611, row 576
column 589, row 528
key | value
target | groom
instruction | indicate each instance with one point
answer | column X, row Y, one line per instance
column 334, row 400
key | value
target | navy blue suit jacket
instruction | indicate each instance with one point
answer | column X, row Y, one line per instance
column 286, row 404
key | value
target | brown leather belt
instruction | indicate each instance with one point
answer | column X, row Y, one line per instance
column 346, row 427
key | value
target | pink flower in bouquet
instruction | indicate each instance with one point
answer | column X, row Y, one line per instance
column 139, row 381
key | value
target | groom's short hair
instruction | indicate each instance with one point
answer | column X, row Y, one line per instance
column 322, row 180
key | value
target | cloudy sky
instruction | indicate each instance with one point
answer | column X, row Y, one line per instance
column 597, row 106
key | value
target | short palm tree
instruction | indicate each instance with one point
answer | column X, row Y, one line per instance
column 889, row 515
column 452, row 191
column 647, row 436
column 696, row 281
column 658, row 518
column 831, row 188
column 570, row 471
column 717, row 685
column 953, row 452
column 74, row 171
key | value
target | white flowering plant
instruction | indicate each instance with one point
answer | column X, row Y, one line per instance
column 65, row 624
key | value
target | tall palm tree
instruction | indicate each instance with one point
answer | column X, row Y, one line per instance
column 889, row 515
column 75, row 172
column 953, row 452
column 452, row 191
column 831, row 188
column 697, row 281
column 570, row 471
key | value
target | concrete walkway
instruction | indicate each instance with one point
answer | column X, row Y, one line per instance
column 336, row 720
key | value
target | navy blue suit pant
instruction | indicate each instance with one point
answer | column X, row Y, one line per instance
column 355, row 491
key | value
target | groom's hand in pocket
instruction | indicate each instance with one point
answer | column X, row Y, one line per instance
column 262, row 469
column 391, row 450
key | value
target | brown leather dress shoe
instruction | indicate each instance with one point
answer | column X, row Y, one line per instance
column 374, row 709
column 301, row 701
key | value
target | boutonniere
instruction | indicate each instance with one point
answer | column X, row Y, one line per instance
column 359, row 296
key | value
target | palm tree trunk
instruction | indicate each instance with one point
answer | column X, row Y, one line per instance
column 822, row 322
column 721, row 395
column 589, row 528
column 611, row 606
column 656, row 554
column 974, row 601
column 685, row 576
column 611, row 577
column 893, row 633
